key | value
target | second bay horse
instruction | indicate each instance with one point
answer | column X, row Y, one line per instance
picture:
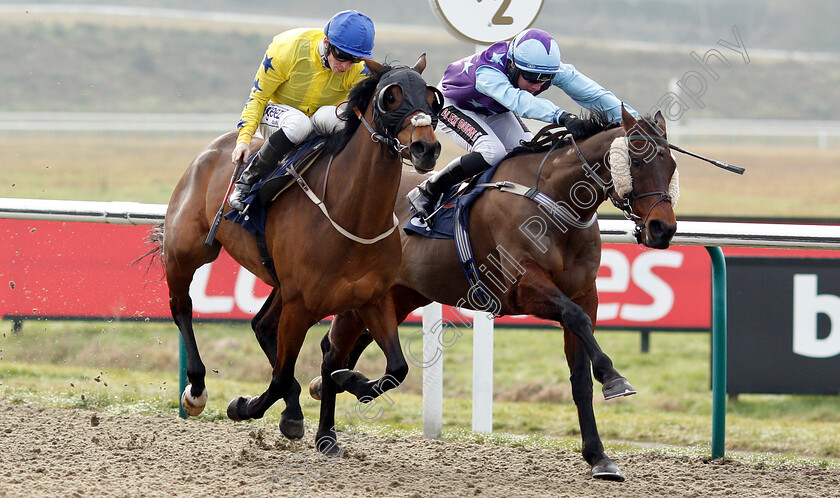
column 545, row 260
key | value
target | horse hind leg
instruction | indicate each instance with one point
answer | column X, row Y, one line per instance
column 535, row 294
column 194, row 397
column 184, row 253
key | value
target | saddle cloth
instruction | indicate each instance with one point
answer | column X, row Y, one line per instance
column 452, row 222
column 443, row 223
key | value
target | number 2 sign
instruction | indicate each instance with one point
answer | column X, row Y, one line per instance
column 486, row 21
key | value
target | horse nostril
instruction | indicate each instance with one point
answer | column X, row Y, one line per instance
column 661, row 230
column 418, row 149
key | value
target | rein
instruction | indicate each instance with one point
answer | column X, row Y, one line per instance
column 564, row 214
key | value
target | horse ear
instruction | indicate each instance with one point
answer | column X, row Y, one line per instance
column 420, row 65
column 375, row 67
column 627, row 119
column 660, row 122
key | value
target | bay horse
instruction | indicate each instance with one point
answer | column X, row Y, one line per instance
column 547, row 269
column 319, row 271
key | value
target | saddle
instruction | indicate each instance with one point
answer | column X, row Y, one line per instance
column 267, row 190
column 441, row 225
column 301, row 158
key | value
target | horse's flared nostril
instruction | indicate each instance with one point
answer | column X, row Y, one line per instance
column 424, row 155
column 418, row 149
column 659, row 233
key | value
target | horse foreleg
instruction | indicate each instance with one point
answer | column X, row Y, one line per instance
column 380, row 317
column 336, row 345
column 613, row 384
column 265, row 324
column 359, row 347
column 293, row 324
column 535, row 294
column 581, row 379
column 405, row 301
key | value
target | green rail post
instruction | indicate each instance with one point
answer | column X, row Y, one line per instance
column 718, row 351
column 182, row 374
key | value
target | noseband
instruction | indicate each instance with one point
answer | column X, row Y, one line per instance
column 625, row 204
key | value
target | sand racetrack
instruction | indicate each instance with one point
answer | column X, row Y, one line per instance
column 80, row 453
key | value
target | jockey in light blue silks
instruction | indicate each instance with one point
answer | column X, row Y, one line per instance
column 486, row 93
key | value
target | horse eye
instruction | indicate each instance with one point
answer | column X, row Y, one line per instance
column 391, row 100
column 635, row 161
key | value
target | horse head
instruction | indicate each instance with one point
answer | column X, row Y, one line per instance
column 405, row 111
column 645, row 179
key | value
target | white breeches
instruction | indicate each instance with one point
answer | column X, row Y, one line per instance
column 296, row 125
column 490, row 136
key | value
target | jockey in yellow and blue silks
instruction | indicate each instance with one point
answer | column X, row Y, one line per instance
column 304, row 75
column 486, row 93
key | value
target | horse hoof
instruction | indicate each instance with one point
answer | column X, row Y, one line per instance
column 617, row 387
column 607, row 470
column 191, row 405
column 292, row 429
column 328, row 446
column 315, row 388
column 236, row 408
column 342, row 376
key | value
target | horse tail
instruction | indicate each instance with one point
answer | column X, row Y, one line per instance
column 155, row 238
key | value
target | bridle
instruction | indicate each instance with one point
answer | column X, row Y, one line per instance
column 393, row 122
column 625, row 204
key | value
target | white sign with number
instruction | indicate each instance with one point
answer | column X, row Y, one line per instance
column 487, row 21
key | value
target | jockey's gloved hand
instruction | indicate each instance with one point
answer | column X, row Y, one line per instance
column 572, row 123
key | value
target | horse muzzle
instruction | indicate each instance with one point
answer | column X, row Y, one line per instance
column 424, row 155
column 657, row 234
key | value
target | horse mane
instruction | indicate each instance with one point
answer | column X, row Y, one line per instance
column 594, row 122
column 360, row 96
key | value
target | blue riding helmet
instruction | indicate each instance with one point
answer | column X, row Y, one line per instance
column 352, row 32
column 535, row 55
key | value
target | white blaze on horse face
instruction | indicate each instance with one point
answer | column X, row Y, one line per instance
column 421, row 119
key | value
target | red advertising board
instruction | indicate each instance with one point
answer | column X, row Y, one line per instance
column 86, row 270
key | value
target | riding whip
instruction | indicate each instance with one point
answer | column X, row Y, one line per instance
column 720, row 164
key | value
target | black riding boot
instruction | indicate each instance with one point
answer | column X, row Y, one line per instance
column 265, row 160
column 424, row 197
